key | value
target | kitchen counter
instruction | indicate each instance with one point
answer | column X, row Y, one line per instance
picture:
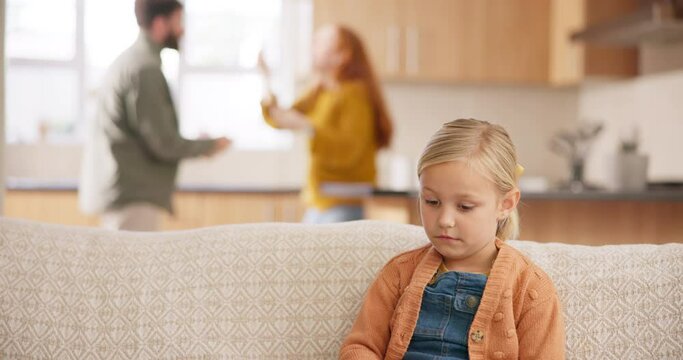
column 194, row 206
column 647, row 195
column 590, row 217
column 70, row 185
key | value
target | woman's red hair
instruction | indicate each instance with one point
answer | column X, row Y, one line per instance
column 358, row 67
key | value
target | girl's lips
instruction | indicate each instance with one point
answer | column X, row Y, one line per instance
column 446, row 237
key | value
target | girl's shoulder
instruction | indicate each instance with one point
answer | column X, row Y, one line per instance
column 399, row 269
column 527, row 276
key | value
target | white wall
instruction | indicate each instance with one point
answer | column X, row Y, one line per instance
column 2, row 106
column 654, row 104
column 531, row 114
column 61, row 163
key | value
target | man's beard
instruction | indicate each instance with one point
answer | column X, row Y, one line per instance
column 171, row 41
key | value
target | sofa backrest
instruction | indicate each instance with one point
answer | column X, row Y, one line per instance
column 270, row 291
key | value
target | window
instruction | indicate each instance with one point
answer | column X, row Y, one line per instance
column 42, row 61
column 229, row 34
column 42, row 103
column 41, row 29
column 64, row 47
column 110, row 28
column 218, row 86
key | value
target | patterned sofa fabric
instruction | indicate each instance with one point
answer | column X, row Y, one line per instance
column 286, row 291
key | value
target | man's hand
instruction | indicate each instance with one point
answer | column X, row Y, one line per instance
column 219, row 145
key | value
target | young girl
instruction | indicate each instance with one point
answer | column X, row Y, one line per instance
column 467, row 295
column 345, row 116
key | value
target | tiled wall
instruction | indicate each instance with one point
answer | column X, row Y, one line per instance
column 653, row 103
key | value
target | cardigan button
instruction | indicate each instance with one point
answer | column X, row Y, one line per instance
column 471, row 302
column 498, row 316
column 499, row 355
column 533, row 294
column 507, row 294
column 477, row 336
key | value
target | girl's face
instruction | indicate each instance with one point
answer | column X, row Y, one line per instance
column 460, row 209
column 328, row 57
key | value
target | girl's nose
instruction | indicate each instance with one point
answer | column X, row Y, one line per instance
column 446, row 219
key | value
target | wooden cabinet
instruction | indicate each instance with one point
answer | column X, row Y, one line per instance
column 586, row 222
column 196, row 209
column 405, row 39
column 57, row 207
column 573, row 62
column 589, row 222
column 192, row 209
column 602, row 222
column 400, row 209
column 516, row 41
column 429, row 49
column 376, row 21
column 482, row 41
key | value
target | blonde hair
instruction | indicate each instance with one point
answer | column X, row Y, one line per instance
column 488, row 149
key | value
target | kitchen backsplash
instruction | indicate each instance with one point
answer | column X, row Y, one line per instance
column 653, row 104
column 531, row 114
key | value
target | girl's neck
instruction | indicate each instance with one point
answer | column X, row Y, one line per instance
column 479, row 262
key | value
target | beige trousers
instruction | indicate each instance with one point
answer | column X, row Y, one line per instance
column 133, row 217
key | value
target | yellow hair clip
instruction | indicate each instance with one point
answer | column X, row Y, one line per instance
column 519, row 170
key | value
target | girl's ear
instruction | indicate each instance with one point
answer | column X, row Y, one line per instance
column 508, row 203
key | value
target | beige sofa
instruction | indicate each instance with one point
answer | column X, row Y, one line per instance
column 286, row 291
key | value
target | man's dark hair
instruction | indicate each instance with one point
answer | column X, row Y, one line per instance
column 147, row 10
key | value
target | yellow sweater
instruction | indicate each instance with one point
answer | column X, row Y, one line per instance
column 519, row 316
column 343, row 146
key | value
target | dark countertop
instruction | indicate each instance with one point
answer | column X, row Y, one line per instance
column 13, row 184
column 648, row 195
column 597, row 195
column 70, row 185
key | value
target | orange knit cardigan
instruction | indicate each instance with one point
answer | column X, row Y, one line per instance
column 519, row 316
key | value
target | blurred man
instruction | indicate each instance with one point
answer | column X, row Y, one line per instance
column 134, row 145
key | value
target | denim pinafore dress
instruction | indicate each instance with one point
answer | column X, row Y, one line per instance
column 449, row 304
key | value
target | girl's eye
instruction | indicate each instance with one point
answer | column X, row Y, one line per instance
column 466, row 207
column 431, row 202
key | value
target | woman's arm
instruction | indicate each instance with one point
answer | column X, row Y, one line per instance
column 275, row 115
column 282, row 118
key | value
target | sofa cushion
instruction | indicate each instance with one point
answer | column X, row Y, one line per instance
column 274, row 291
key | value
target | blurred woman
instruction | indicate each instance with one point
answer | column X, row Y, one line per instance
column 346, row 118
